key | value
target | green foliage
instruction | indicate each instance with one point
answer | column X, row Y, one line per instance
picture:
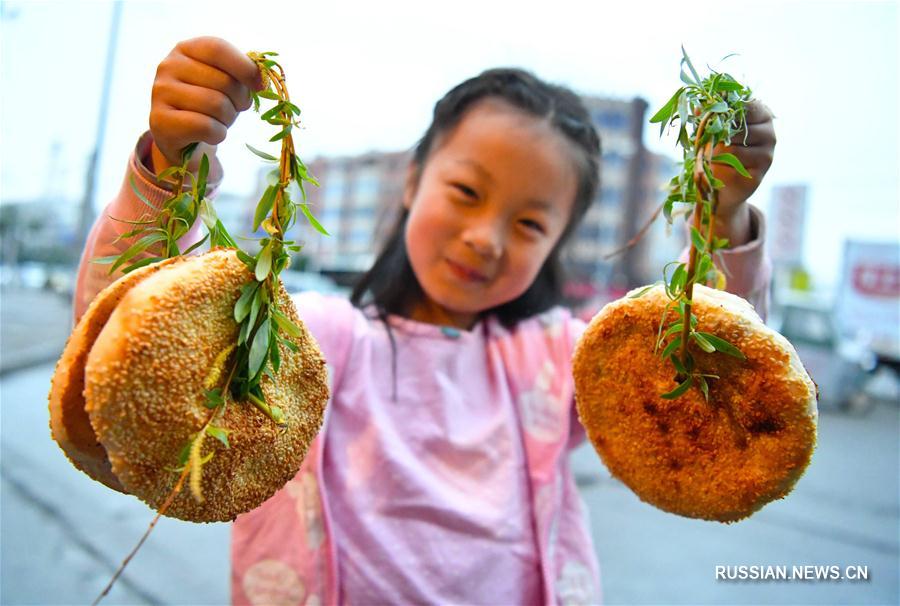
column 706, row 112
column 262, row 325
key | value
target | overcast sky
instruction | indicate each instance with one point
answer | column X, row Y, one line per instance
column 367, row 74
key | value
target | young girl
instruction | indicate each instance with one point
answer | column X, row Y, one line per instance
column 441, row 474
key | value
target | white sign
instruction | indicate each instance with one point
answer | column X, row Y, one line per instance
column 868, row 300
column 786, row 224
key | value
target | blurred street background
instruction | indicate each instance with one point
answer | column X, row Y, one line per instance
column 833, row 233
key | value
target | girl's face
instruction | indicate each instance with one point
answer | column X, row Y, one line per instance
column 491, row 202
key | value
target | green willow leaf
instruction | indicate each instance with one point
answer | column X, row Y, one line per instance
column 249, row 261
column 261, row 153
column 732, row 161
column 242, row 307
column 313, row 221
column 213, row 397
column 665, row 112
column 244, row 333
column 728, row 85
column 679, row 278
column 259, row 348
column 142, row 263
column 274, row 352
column 219, row 433
column 703, row 267
column 284, row 133
column 697, row 239
column 285, row 323
column 264, row 262
column 195, row 245
column 687, row 60
column 137, row 248
column 264, row 206
column 683, row 387
column 105, row 260
column 272, row 112
column 722, row 345
column 224, row 237
column 674, row 328
column 702, row 342
column 255, row 306
column 141, row 196
column 676, row 362
column 172, row 171
column 644, row 290
column 704, row 387
column 202, row 173
column 187, row 151
column 671, row 347
column 267, row 94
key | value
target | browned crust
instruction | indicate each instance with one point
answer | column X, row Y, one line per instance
column 69, row 423
column 145, row 389
column 720, row 460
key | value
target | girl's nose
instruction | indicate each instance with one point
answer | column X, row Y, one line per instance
column 485, row 240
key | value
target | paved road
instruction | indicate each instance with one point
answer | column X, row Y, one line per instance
column 62, row 535
column 34, row 325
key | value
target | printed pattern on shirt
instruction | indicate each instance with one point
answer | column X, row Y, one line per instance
column 271, row 583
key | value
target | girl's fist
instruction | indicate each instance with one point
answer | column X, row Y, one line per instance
column 755, row 151
column 199, row 90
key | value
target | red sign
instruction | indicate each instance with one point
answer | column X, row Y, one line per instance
column 876, row 279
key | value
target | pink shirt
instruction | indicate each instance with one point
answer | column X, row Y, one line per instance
column 454, row 489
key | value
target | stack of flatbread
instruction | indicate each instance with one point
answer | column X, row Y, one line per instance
column 129, row 390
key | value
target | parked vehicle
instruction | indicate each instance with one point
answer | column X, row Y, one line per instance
column 840, row 366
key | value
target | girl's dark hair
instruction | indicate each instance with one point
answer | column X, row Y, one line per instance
column 391, row 284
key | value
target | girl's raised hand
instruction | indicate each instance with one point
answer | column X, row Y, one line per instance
column 755, row 152
column 198, row 92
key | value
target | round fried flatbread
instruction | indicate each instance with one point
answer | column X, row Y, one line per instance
column 69, row 422
column 717, row 460
column 147, row 374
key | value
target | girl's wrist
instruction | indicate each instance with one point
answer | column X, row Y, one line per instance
column 737, row 226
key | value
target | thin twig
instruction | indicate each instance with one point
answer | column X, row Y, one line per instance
column 162, row 510
column 638, row 236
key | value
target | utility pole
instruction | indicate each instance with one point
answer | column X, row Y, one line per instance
column 86, row 216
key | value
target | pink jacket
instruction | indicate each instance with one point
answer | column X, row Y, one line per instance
column 288, row 550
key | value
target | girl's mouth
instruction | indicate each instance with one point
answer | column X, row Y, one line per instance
column 466, row 273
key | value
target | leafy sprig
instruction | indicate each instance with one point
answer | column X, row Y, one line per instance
column 157, row 239
column 708, row 112
column 263, row 326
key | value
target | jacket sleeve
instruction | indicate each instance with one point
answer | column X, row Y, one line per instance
column 747, row 268
column 102, row 241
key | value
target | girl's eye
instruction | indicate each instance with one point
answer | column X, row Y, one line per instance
column 465, row 190
column 533, row 226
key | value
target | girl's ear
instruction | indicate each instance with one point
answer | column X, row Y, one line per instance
column 411, row 184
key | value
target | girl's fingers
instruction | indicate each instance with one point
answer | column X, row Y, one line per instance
column 223, row 56
column 190, row 126
column 181, row 68
column 761, row 127
column 212, row 103
column 757, row 111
